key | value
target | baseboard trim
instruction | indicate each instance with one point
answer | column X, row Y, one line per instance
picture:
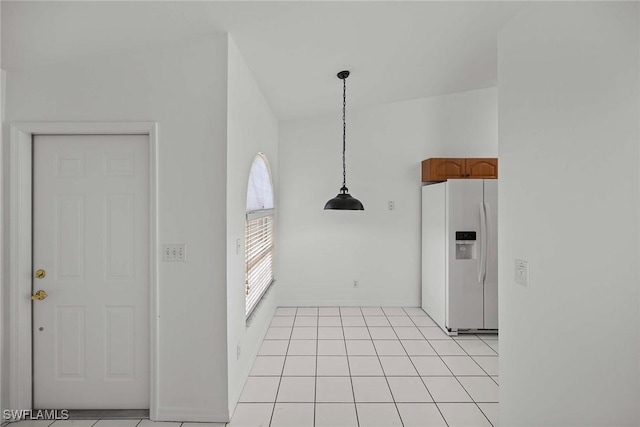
column 108, row 414
column 192, row 415
column 342, row 303
column 234, row 400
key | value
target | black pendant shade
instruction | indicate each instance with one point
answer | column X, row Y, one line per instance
column 344, row 201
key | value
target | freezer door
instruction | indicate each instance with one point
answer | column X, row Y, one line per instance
column 464, row 291
column 491, row 264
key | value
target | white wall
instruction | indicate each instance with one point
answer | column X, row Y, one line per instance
column 321, row 252
column 184, row 88
column 4, row 353
column 3, row 75
column 568, row 90
column 252, row 128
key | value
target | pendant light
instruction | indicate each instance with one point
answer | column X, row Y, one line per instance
column 344, row 201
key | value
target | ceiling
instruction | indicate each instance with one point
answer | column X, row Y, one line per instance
column 395, row 50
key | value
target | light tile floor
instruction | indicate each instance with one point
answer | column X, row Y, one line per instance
column 360, row 367
column 369, row 366
column 107, row 423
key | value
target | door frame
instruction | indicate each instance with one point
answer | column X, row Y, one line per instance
column 20, row 247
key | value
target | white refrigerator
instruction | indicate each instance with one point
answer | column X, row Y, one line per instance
column 460, row 254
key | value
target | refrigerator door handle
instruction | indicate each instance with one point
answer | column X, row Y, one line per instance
column 485, row 241
column 481, row 260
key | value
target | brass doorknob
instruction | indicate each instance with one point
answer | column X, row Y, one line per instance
column 40, row 273
column 39, row 295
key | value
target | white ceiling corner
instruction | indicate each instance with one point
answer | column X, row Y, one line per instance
column 396, row 50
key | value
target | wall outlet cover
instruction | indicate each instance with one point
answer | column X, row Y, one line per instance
column 174, row 252
column 522, row 272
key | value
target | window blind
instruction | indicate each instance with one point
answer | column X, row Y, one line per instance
column 259, row 258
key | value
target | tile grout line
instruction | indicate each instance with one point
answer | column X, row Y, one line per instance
column 474, row 360
column 275, row 399
column 346, row 352
column 383, row 371
column 372, row 375
column 482, row 341
column 485, row 415
column 370, row 338
column 489, row 355
column 483, row 370
column 315, row 379
column 443, row 376
column 456, row 377
column 422, row 379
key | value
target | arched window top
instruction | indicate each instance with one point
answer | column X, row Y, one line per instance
column 259, row 189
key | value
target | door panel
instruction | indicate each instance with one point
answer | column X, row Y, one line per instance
column 491, row 280
column 464, row 291
column 69, row 342
column 68, row 233
column 91, row 236
column 120, row 243
column 120, row 342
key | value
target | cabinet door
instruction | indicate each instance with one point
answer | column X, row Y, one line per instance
column 439, row 169
column 481, row 168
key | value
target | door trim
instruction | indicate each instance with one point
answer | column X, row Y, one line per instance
column 20, row 247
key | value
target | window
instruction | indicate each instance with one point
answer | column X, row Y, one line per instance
column 258, row 233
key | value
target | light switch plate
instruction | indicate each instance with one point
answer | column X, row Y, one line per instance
column 522, row 272
column 174, row 252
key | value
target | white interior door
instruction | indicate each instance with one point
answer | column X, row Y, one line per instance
column 91, row 238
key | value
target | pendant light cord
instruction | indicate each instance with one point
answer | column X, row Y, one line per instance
column 344, row 132
column 344, row 201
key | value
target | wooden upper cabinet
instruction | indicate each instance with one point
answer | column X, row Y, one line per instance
column 441, row 169
column 482, row 168
column 437, row 169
